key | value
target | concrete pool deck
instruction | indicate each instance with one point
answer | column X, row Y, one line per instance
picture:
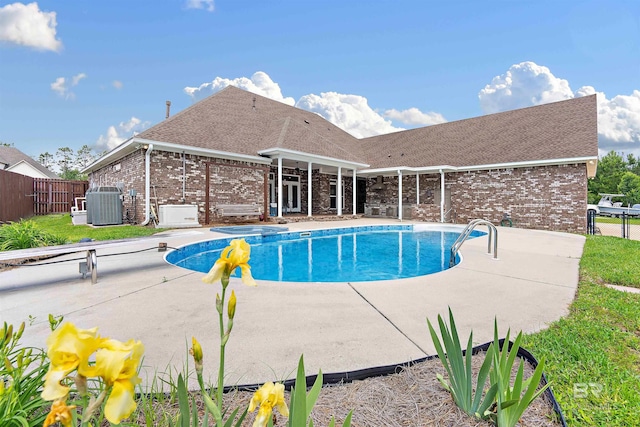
column 337, row 326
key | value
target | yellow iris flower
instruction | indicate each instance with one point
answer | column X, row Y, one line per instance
column 268, row 396
column 60, row 413
column 233, row 256
column 231, row 306
column 117, row 363
column 68, row 348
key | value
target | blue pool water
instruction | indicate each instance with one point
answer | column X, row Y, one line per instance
column 338, row 255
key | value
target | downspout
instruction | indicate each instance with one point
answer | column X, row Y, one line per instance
column 441, row 196
column 147, row 185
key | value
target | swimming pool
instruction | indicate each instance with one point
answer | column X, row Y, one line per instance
column 354, row 254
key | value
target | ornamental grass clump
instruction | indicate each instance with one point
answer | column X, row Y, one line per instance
column 502, row 402
column 458, row 367
column 512, row 400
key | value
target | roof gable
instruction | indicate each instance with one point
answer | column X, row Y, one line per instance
column 11, row 157
column 559, row 130
column 238, row 121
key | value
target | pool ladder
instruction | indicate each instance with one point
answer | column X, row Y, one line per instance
column 493, row 235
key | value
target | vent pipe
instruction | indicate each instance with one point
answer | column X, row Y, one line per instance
column 168, row 109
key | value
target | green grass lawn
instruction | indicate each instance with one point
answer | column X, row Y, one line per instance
column 61, row 225
column 593, row 354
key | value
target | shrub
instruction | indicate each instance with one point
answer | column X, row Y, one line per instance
column 26, row 234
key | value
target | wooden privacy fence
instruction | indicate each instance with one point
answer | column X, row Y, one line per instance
column 15, row 200
column 56, row 195
column 22, row 196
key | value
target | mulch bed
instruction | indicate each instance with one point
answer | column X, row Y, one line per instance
column 412, row 397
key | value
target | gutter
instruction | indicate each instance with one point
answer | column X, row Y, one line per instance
column 147, row 185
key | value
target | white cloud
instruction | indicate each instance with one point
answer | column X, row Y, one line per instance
column 118, row 134
column 414, row 117
column 527, row 84
column 63, row 89
column 59, row 86
column 200, row 4
column 27, row 25
column 117, row 84
column 76, row 79
column 260, row 83
column 349, row 112
column 523, row 85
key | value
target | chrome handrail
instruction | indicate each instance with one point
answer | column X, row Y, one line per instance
column 447, row 213
column 493, row 235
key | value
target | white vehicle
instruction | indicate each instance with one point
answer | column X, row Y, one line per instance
column 607, row 207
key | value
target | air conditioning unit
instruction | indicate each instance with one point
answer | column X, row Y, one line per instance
column 104, row 206
column 178, row 216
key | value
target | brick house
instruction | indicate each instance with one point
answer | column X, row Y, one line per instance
column 236, row 147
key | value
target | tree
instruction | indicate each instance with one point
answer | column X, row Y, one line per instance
column 46, row 159
column 65, row 160
column 610, row 170
column 630, row 187
column 84, row 157
column 68, row 163
column 633, row 164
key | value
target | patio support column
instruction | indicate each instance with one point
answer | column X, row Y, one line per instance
column 441, row 196
column 417, row 188
column 279, row 187
column 399, row 194
column 353, row 193
column 339, row 191
column 309, row 186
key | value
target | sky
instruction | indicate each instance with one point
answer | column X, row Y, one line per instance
column 95, row 72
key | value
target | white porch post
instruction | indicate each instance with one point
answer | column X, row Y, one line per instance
column 309, row 189
column 354, row 192
column 339, row 191
column 279, row 187
column 441, row 196
column 417, row 188
column 399, row 194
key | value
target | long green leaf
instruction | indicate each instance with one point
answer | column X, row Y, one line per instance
column 183, row 403
column 312, row 396
column 347, row 421
column 298, row 410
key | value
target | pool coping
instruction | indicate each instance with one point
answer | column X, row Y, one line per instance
column 338, row 326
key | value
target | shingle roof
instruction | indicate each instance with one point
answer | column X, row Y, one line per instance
column 238, row 121
column 12, row 156
column 228, row 121
column 560, row 130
